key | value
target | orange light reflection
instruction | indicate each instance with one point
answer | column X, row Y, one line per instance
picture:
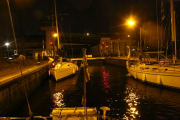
column 106, row 86
column 58, row 99
column 132, row 101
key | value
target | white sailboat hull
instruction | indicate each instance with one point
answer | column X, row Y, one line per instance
column 166, row 78
column 63, row 71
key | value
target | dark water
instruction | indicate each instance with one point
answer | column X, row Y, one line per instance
column 109, row 86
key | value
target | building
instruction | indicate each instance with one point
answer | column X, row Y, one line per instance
column 116, row 44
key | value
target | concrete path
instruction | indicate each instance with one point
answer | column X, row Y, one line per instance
column 14, row 70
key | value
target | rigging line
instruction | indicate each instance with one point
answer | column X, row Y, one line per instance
column 168, row 37
column 157, row 29
column 171, row 44
column 12, row 26
column 177, row 21
column 55, row 9
column 30, row 112
column 177, row 24
column 70, row 36
column 18, row 87
column 145, row 20
column 63, row 36
column 162, row 7
column 65, row 41
column 163, row 36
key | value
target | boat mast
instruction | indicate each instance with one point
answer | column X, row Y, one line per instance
column 56, row 24
column 12, row 26
column 84, row 64
column 173, row 28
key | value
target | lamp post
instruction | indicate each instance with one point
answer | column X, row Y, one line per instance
column 141, row 46
column 131, row 23
column 140, row 41
column 52, row 43
column 7, row 48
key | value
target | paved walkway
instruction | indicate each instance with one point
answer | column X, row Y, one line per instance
column 9, row 71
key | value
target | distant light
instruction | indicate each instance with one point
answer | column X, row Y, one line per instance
column 55, row 35
column 128, row 35
column 7, row 44
column 147, row 47
column 59, row 65
column 131, row 23
column 103, row 43
column 87, row 34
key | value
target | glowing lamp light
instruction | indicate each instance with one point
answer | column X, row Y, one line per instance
column 6, row 44
column 51, row 43
column 106, row 46
column 53, row 64
column 103, row 43
column 131, row 23
column 55, row 35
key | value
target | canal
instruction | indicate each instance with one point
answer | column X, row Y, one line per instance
column 109, row 86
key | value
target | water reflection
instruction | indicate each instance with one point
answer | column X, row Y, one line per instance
column 58, row 99
column 132, row 102
column 126, row 97
column 106, row 85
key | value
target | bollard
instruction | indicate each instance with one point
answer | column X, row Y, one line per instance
column 104, row 108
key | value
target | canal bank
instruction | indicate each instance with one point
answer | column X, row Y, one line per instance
column 21, row 81
column 119, row 61
column 109, row 87
column 14, row 86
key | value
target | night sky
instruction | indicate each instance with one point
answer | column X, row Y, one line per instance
column 86, row 16
column 93, row 16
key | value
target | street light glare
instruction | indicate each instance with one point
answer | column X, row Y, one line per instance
column 6, row 44
column 55, row 35
column 131, row 23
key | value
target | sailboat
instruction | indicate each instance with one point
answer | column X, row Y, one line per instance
column 154, row 73
column 80, row 113
column 60, row 69
column 72, row 113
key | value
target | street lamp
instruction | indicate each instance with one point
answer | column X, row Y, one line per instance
column 52, row 43
column 55, row 35
column 131, row 23
column 7, row 48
